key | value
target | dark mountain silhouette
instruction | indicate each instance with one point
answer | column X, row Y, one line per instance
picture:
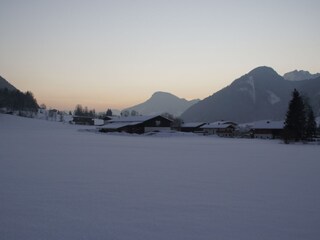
column 5, row 84
column 163, row 102
column 259, row 94
column 12, row 99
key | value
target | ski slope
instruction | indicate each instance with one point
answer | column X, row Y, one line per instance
column 59, row 182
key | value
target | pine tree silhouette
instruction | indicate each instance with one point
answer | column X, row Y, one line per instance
column 295, row 123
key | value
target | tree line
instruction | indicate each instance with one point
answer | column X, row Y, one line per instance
column 18, row 101
column 81, row 111
column 84, row 111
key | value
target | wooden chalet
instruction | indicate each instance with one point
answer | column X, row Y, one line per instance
column 137, row 124
column 220, row 128
column 267, row 129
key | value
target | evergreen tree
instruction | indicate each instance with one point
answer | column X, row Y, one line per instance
column 134, row 113
column 311, row 125
column 125, row 113
column 109, row 113
column 84, row 112
column 295, row 122
column 18, row 101
column 78, row 110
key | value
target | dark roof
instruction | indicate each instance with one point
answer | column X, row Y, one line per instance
column 192, row 124
column 121, row 122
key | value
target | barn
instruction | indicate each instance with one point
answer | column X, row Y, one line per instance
column 137, row 124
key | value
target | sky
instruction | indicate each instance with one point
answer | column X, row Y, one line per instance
column 115, row 54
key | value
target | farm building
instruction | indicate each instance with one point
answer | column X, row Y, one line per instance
column 137, row 124
column 267, row 129
column 220, row 128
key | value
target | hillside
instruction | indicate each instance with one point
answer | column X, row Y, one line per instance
column 260, row 94
column 12, row 99
column 5, row 84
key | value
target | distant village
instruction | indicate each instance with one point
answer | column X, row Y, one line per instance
column 161, row 123
column 133, row 123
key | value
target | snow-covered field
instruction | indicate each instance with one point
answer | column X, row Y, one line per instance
column 57, row 182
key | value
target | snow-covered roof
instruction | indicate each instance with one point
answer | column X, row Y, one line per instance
column 117, row 125
column 98, row 121
column 132, row 119
column 217, row 125
column 192, row 124
column 266, row 124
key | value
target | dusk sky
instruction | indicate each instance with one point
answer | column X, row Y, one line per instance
column 115, row 54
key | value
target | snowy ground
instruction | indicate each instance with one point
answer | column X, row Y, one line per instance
column 60, row 183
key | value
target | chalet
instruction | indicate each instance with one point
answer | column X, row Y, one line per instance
column 267, row 129
column 191, row 127
column 82, row 120
column 137, row 124
column 220, row 128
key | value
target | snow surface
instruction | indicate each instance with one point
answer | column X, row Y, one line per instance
column 252, row 91
column 57, row 182
column 272, row 97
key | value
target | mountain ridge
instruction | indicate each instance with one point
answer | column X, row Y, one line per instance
column 162, row 102
column 260, row 94
column 299, row 75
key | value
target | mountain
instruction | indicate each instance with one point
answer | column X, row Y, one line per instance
column 260, row 94
column 11, row 99
column 300, row 75
column 5, row 84
column 163, row 102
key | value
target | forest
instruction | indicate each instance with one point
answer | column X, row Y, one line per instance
column 18, row 101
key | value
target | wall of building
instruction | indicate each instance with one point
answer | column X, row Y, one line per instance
column 153, row 129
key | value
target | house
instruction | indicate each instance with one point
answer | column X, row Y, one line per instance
column 137, row 124
column 220, row 128
column 106, row 119
column 191, row 127
column 267, row 129
column 81, row 120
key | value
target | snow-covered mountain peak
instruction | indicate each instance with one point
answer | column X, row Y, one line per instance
column 298, row 75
